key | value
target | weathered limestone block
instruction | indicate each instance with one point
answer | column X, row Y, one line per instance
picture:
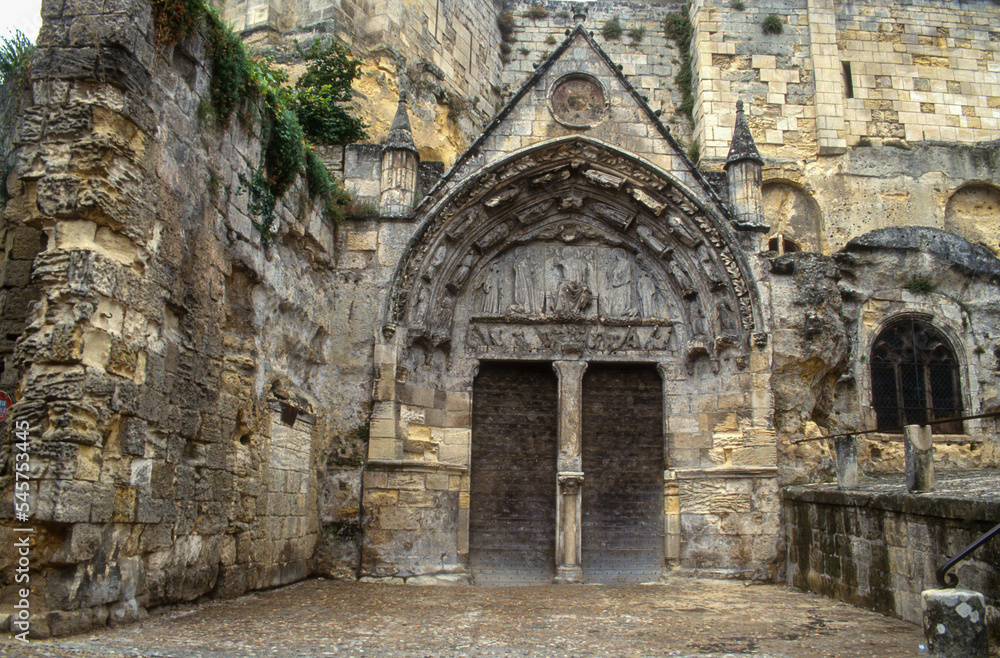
column 955, row 623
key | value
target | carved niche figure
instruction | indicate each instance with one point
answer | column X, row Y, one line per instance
column 435, row 263
column 686, row 235
column 418, row 315
column 462, row 273
column 525, row 290
column 699, row 326
column 492, row 288
column 621, row 291
column 573, row 293
column 684, row 282
column 650, row 298
column 711, row 271
column 728, row 320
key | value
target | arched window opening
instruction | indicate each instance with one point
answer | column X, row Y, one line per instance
column 915, row 378
column 782, row 244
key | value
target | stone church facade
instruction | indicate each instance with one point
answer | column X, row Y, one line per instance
column 577, row 355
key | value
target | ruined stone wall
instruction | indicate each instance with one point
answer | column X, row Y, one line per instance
column 190, row 393
column 823, row 203
column 879, row 549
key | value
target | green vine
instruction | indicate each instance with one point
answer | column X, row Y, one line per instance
column 677, row 27
column 289, row 115
column 260, row 205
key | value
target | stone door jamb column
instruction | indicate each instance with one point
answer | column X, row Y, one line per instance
column 570, row 478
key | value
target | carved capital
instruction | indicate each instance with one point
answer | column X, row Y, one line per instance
column 570, row 371
column 570, row 482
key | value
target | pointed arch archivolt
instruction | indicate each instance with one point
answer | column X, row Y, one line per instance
column 599, row 237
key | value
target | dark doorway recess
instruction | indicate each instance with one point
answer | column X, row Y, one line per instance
column 512, row 515
column 622, row 502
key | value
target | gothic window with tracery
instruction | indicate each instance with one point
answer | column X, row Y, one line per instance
column 915, row 378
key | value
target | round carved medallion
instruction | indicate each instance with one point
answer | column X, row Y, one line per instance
column 578, row 101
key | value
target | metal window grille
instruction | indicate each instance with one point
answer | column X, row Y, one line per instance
column 915, row 377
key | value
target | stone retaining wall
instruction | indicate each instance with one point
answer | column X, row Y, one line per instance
column 879, row 550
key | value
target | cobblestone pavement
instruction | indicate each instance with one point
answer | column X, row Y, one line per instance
column 681, row 617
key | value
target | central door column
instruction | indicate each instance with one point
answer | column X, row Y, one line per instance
column 570, row 373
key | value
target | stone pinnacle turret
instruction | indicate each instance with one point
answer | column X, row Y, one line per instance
column 399, row 166
column 744, row 168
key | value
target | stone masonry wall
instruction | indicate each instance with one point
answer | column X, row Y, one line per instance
column 19, row 243
column 183, row 385
column 649, row 60
column 879, row 549
column 443, row 53
column 923, row 71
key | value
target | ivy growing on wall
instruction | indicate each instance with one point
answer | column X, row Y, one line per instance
column 292, row 118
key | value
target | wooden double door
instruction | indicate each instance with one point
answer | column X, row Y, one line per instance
column 514, row 473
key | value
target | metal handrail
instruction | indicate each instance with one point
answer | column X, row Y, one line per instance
column 992, row 414
column 947, row 580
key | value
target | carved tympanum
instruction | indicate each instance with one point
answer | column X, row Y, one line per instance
column 575, row 246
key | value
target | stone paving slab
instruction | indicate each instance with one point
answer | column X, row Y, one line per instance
column 679, row 617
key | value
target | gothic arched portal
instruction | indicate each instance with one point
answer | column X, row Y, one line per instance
column 573, row 256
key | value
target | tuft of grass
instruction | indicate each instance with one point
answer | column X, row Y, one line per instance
column 863, row 141
column 505, row 23
column 897, row 143
column 535, row 12
column 920, row 284
column 637, row 33
column 550, row 40
column 772, row 24
column 563, row 14
column 612, row 29
column 737, row 5
column 677, row 27
column 694, row 152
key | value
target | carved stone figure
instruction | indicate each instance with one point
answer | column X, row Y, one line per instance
column 525, row 290
column 462, row 273
column 649, row 299
column 621, row 292
column 436, row 260
column 680, row 275
column 728, row 320
column 711, row 271
column 419, row 313
column 492, row 289
column 699, row 326
column 574, row 293
column 684, row 234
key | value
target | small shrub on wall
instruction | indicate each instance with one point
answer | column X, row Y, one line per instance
column 772, row 24
column 612, row 29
